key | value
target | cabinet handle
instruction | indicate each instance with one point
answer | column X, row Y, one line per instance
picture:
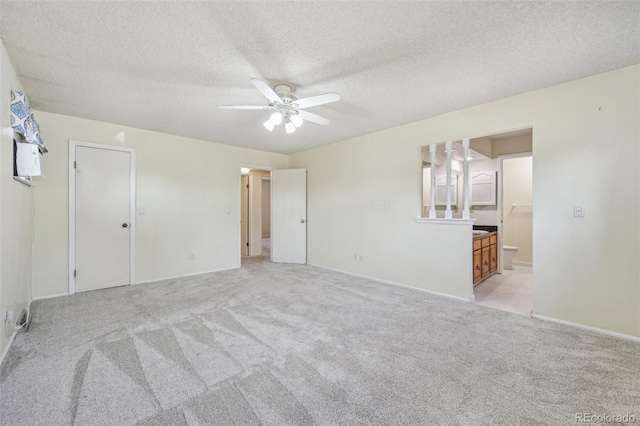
column 486, row 263
column 477, row 267
column 493, row 259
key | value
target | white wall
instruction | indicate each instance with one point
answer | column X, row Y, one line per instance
column 363, row 196
column 15, row 212
column 190, row 190
column 364, row 193
column 517, row 226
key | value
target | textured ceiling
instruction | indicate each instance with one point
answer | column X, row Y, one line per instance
column 164, row 66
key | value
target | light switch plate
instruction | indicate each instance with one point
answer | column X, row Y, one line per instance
column 578, row 210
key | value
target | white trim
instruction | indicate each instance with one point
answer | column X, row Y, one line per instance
column 422, row 290
column 6, row 349
column 500, row 202
column 588, row 328
column 518, row 263
column 50, row 296
column 256, row 166
column 442, row 221
column 72, row 208
column 500, row 216
column 186, row 275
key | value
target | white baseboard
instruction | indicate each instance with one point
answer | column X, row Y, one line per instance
column 393, row 283
column 49, row 296
column 518, row 263
column 186, row 275
column 6, row 350
column 586, row 327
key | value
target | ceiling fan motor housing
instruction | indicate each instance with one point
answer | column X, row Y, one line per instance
column 285, row 92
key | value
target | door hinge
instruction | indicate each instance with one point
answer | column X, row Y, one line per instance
column 74, row 273
column 247, row 244
column 247, row 185
column 75, row 164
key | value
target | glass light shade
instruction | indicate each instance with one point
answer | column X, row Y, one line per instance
column 244, row 170
column 269, row 125
column 296, row 120
column 276, row 118
column 290, row 127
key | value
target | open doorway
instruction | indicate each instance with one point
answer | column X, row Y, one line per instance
column 255, row 214
column 511, row 287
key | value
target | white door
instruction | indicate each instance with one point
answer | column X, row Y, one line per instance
column 289, row 216
column 102, row 218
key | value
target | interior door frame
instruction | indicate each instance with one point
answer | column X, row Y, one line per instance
column 500, row 201
column 72, row 208
column 249, row 205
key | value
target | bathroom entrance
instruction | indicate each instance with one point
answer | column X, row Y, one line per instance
column 511, row 288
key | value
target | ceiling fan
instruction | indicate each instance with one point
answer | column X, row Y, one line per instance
column 286, row 107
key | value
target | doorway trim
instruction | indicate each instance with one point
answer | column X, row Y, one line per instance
column 249, row 205
column 72, row 208
column 501, row 158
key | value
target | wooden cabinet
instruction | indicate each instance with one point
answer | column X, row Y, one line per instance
column 477, row 266
column 485, row 256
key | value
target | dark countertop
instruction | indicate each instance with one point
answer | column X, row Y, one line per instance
column 475, row 237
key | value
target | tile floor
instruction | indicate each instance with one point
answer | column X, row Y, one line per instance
column 510, row 291
column 264, row 257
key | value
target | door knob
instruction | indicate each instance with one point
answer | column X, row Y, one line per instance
column 124, row 225
column 301, row 220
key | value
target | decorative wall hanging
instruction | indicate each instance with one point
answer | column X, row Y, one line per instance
column 23, row 121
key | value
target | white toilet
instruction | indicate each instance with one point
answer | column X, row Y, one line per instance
column 508, row 253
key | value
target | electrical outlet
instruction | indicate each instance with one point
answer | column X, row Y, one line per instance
column 9, row 317
column 355, row 256
column 360, row 258
column 192, row 257
column 578, row 211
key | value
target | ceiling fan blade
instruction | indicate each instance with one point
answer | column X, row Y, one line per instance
column 266, row 90
column 241, row 107
column 317, row 100
column 314, row 118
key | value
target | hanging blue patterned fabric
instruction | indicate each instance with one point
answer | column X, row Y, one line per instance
column 20, row 111
column 23, row 121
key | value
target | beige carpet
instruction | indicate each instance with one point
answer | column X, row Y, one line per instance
column 272, row 344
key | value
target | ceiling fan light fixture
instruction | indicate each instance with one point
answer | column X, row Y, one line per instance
column 276, row 118
column 269, row 125
column 296, row 120
column 289, row 127
column 285, row 107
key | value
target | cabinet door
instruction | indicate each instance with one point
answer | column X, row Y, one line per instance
column 485, row 261
column 477, row 265
column 493, row 261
